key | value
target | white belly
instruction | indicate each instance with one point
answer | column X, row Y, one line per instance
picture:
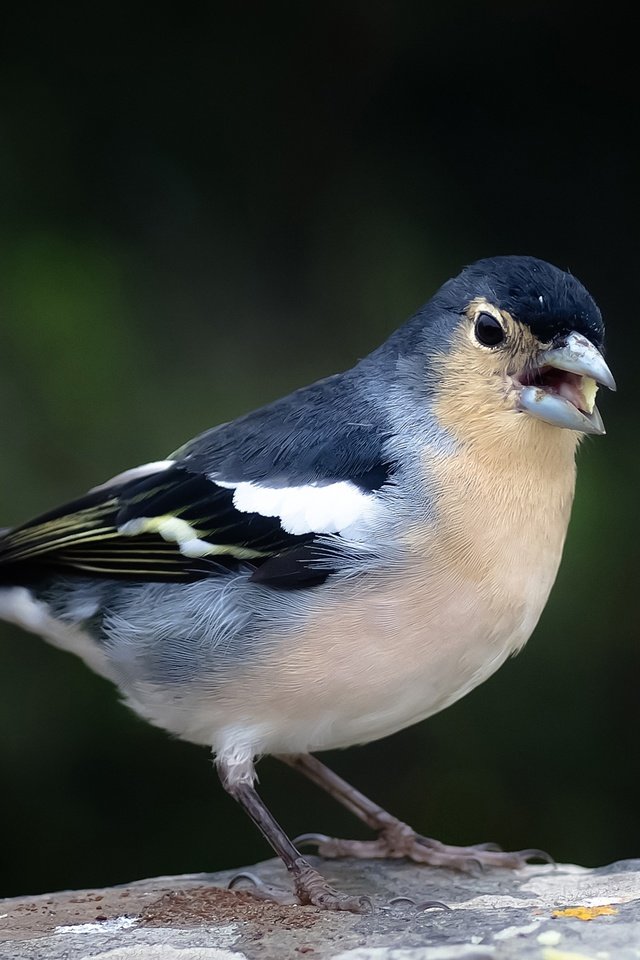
column 359, row 668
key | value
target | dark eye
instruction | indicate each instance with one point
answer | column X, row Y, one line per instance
column 488, row 330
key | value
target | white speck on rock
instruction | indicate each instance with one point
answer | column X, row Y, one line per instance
column 162, row 951
column 510, row 932
column 458, row 951
column 106, row 926
column 549, row 938
column 494, row 902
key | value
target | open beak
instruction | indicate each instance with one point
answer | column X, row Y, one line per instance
column 561, row 388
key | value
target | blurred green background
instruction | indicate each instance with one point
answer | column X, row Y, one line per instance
column 204, row 209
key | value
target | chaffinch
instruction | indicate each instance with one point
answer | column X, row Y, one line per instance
column 343, row 562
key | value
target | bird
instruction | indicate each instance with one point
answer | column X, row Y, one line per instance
column 341, row 563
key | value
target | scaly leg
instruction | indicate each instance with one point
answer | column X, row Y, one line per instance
column 310, row 886
column 395, row 839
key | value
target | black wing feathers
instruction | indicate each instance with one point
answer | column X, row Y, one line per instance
column 84, row 535
column 323, row 433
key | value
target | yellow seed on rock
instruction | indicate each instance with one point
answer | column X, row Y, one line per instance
column 586, row 913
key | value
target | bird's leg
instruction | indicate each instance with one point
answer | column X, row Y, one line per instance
column 310, row 886
column 395, row 839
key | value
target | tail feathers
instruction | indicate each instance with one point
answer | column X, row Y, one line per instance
column 21, row 606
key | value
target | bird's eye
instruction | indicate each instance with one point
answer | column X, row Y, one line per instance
column 489, row 331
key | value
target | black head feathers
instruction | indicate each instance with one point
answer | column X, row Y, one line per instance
column 550, row 301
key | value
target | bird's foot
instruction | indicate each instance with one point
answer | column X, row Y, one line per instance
column 311, row 889
column 397, row 840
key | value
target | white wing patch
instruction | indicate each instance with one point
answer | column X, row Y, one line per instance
column 313, row 508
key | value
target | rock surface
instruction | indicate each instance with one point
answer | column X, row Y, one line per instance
column 542, row 912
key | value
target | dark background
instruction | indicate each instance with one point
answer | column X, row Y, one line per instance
column 203, row 210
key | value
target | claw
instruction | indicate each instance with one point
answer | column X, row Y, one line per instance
column 493, row 847
column 537, row 855
column 310, row 840
column 434, row 905
column 250, row 877
column 261, row 890
column 366, row 902
column 425, row 905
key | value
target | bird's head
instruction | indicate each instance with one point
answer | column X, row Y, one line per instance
column 510, row 343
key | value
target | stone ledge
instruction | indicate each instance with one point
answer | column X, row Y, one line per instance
column 542, row 912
